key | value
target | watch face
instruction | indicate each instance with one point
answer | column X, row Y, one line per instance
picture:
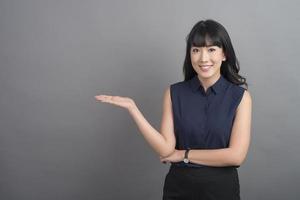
column 185, row 160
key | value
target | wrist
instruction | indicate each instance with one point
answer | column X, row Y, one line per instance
column 132, row 108
column 186, row 156
column 182, row 152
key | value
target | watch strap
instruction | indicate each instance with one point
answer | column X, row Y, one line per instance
column 186, row 154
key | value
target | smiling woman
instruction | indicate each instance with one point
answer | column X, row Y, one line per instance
column 207, row 60
column 206, row 122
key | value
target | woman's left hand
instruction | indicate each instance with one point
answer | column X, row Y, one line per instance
column 176, row 156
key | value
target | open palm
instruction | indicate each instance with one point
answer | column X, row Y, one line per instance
column 124, row 102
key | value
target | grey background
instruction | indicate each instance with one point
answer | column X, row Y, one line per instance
column 57, row 142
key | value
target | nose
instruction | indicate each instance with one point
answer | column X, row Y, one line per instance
column 204, row 57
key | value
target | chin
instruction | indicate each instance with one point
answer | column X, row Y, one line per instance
column 206, row 75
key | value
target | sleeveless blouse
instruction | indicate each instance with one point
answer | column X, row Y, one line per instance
column 203, row 120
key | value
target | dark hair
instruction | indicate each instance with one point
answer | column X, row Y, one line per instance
column 210, row 32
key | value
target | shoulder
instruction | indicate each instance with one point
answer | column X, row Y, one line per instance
column 245, row 99
column 238, row 91
column 177, row 90
column 173, row 86
column 179, row 85
column 239, row 94
column 244, row 92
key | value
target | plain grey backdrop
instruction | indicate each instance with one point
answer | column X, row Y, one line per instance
column 57, row 142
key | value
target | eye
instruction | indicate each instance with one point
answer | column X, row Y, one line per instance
column 211, row 49
column 194, row 50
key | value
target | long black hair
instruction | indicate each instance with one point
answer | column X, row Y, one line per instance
column 209, row 32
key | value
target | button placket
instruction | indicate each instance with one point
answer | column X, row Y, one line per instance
column 206, row 112
column 207, row 103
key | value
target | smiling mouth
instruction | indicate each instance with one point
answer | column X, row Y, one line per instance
column 205, row 66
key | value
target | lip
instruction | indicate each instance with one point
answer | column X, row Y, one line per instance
column 205, row 65
column 205, row 68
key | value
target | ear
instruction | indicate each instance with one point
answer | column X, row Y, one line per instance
column 224, row 57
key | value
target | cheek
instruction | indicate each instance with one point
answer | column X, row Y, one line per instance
column 194, row 58
column 217, row 59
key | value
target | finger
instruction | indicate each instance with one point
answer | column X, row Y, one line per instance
column 110, row 99
column 104, row 97
column 97, row 97
column 101, row 97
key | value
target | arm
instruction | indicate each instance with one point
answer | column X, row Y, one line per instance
column 164, row 143
column 235, row 154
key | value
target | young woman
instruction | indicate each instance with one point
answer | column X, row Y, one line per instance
column 206, row 122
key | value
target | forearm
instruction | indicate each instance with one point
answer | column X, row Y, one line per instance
column 152, row 136
column 215, row 157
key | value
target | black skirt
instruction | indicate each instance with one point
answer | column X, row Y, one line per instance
column 203, row 183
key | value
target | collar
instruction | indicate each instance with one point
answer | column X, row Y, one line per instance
column 217, row 87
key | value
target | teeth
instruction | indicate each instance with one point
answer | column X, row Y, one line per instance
column 205, row 66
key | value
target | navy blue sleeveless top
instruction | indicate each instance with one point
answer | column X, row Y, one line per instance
column 203, row 120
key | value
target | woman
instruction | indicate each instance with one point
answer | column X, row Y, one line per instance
column 206, row 122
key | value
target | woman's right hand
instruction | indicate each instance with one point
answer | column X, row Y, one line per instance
column 124, row 102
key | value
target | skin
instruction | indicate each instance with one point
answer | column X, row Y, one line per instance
column 163, row 142
column 211, row 56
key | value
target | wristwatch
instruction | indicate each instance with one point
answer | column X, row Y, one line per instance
column 186, row 159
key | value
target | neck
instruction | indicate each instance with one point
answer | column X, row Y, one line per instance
column 207, row 82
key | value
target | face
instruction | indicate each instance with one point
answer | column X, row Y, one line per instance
column 207, row 61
